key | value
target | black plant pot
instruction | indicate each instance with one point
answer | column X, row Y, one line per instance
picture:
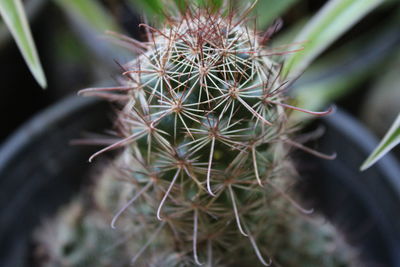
column 39, row 171
column 364, row 205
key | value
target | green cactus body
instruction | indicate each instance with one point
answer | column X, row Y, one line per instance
column 204, row 168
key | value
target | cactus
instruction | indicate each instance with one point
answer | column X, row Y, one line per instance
column 204, row 172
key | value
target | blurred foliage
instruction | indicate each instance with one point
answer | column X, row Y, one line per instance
column 336, row 17
column 89, row 12
column 267, row 11
column 157, row 9
column 382, row 107
column 337, row 74
column 32, row 7
column 390, row 140
column 14, row 17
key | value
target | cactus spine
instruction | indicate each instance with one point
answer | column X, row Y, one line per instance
column 203, row 175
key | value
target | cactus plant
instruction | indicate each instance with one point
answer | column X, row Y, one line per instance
column 205, row 170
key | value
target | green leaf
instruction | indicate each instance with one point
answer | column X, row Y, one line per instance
column 268, row 10
column 345, row 69
column 389, row 141
column 214, row 4
column 151, row 7
column 336, row 17
column 14, row 17
column 89, row 12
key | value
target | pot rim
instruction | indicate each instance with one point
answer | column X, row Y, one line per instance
column 38, row 125
column 366, row 142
